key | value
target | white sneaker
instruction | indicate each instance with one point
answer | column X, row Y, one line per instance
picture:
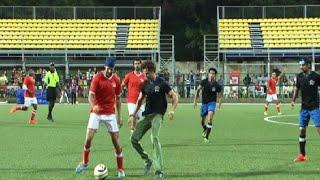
column 206, row 140
column 279, row 113
column 265, row 113
column 121, row 174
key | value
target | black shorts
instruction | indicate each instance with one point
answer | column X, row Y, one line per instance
column 51, row 94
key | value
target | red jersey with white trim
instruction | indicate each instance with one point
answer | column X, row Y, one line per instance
column 105, row 90
column 133, row 82
column 272, row 84
column 29, row 82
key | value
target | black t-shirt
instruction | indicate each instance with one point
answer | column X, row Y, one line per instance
column 155, row 92
column 308, row 84
column 209, row 90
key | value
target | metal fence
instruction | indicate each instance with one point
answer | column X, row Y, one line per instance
column 246, row 12
column 78, row 12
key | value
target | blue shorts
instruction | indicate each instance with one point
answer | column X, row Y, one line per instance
column 205, row 108
column 305, row 117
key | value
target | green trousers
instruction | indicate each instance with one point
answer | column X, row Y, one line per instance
column 152, row 121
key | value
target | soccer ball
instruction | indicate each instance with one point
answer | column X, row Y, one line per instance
column 100, row 171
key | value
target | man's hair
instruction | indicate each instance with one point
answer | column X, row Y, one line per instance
column 149, row 65
column 136, row 59
column 213, row 69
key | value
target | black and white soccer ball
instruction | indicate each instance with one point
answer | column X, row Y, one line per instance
column 100, row 171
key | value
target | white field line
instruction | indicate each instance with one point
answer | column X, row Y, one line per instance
column 269, row 119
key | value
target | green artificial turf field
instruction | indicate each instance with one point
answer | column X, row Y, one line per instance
column 242, row 145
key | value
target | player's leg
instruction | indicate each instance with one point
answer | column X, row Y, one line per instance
column 111, row 123
column 93, row 125
column 157, row 152
column 18, row 108
column 211, row 112
column 275, row 98
column 33, row 113
column 142, row 127
column 51, row 97
column 266, row 105
column 203, row 115
column 27, row 103
column 303, row 122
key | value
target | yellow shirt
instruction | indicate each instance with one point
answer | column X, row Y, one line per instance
column 51, row 79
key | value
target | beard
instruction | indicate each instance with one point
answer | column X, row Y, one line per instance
column 108, row 74
column 137, row 69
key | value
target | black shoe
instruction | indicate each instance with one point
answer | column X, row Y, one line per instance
column 159, row 175
column 50, row 118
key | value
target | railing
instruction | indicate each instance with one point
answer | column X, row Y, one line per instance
column 78, row 12
column 294, row 11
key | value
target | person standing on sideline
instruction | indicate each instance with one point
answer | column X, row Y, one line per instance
column 104, row 96
column 63, row 92
column 154, row 90
column 133, row 81
column 74, row 89
column 51, row 82
column 210, row 90
column 307, row 82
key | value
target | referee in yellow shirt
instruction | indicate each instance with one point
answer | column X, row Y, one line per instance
column 51, row 81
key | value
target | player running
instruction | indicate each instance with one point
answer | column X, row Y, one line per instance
column 133, row 81
column 272, row 94
column 29, row 97
column 307, row 82
column 105, row 91
column 210, row 89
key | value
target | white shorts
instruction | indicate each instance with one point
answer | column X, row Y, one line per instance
column 132, row 107
column 28, row 101
column 110, row 121
column 271, row 97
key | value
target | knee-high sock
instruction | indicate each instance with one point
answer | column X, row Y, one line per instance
column 119, row 157
column 85, row 155
column 302, row 143
column 209, row 127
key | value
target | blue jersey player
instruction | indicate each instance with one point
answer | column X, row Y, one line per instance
column 210, row 90
column 307, row 82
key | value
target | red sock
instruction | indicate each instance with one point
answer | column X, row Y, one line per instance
column 85, row 155
column 119, row 160
column 33, row 114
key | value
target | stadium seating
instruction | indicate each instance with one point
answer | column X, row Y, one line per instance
column 143, row 34
column 276, row 33
column 234, row 33
column 75, row 33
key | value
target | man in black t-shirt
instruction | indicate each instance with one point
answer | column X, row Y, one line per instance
column 154, row 90
column 209, row 89
column 308, row 82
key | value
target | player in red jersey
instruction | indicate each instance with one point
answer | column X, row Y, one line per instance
column 29, row 97
column 272, row 93
column 133, row 81
column 104, row 95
